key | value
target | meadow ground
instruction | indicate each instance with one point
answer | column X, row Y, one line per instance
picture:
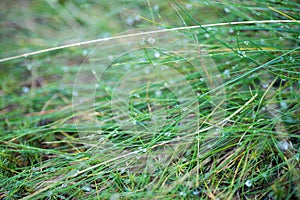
column 149, row 99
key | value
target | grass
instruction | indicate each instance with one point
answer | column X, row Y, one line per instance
column 149, row 115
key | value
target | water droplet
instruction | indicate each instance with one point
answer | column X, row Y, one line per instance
column 227, row 10
column 206, row 35
column 283, row 145
column 168, row 134
column 231, row 30
column 265, row 85
column 75, row 93
column 189, row 6
column 65, row 69
column 201, row 79
column 136, row 95
column 137, row 18
column 291, row 59
column 110, row 57
column 158, row 93
column 101, row 139
column 25, row 89
column 151, row 40
column 242, row 53
column 25, row 55
column 85, row 52
column 196, row 192
column 97, row 85
column 246, row 42
column 182, row 194
column 156, row 54
column 227, row 73
column 281, row 38
column 99, row 132
column 64, row 185
column 129, row 21
column 248, row 183
column 156, row 8
column 283, row 104
column 86, row 188
column 29, row 67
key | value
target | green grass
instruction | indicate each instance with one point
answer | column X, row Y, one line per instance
column 227, row 129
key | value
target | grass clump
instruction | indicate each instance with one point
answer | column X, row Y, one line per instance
column 131, row 117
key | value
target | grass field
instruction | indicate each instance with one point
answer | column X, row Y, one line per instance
column 149, row 99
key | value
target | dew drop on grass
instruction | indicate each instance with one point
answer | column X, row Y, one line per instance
column 158, row 93
column 156, row 54
column 189, row 6
column 137, row 18
column 231, row 30
column 25, row 89
column 151, row 40
column 168, row 134
column 110, row 57
column 130, row 21
column 182, row 194
column 281, row 38
column 283, row 104
column 64, row 185
column 283, row 145
column 85, row 52
column 29, row 67
column 156, row 8
column 75, row 93
column 206, row 35
column 97, row 85
column 265, row 85
column 227, row 10
column 201, row 79
column 226, row 73
column 291, row 59
column 196, row 192
column 248, row 183
column 86, row 188
column 246, row 42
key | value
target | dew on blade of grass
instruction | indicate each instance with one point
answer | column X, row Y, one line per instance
column 110, row 57
column 151, row 40
column 248, row 183
column 29, row 67
column 64, row 185
column 196, row 192
column 265, row 85
column 189, row 6
column 97, row 85
column 25, row 89
column 283, row 104
column 86, row 188
column 206, row 35
column 157, row 54
column 130, row 21
column 182, row 194
column 281, row 38
column 227, row 73
column 158, row 93
column 85, row 52
column 137, row 18
column 201, row 79
column 246, row 42
column 291, row 59
column 227, row 10
column 283, row 145
column 168, row 134
column 156, row 8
